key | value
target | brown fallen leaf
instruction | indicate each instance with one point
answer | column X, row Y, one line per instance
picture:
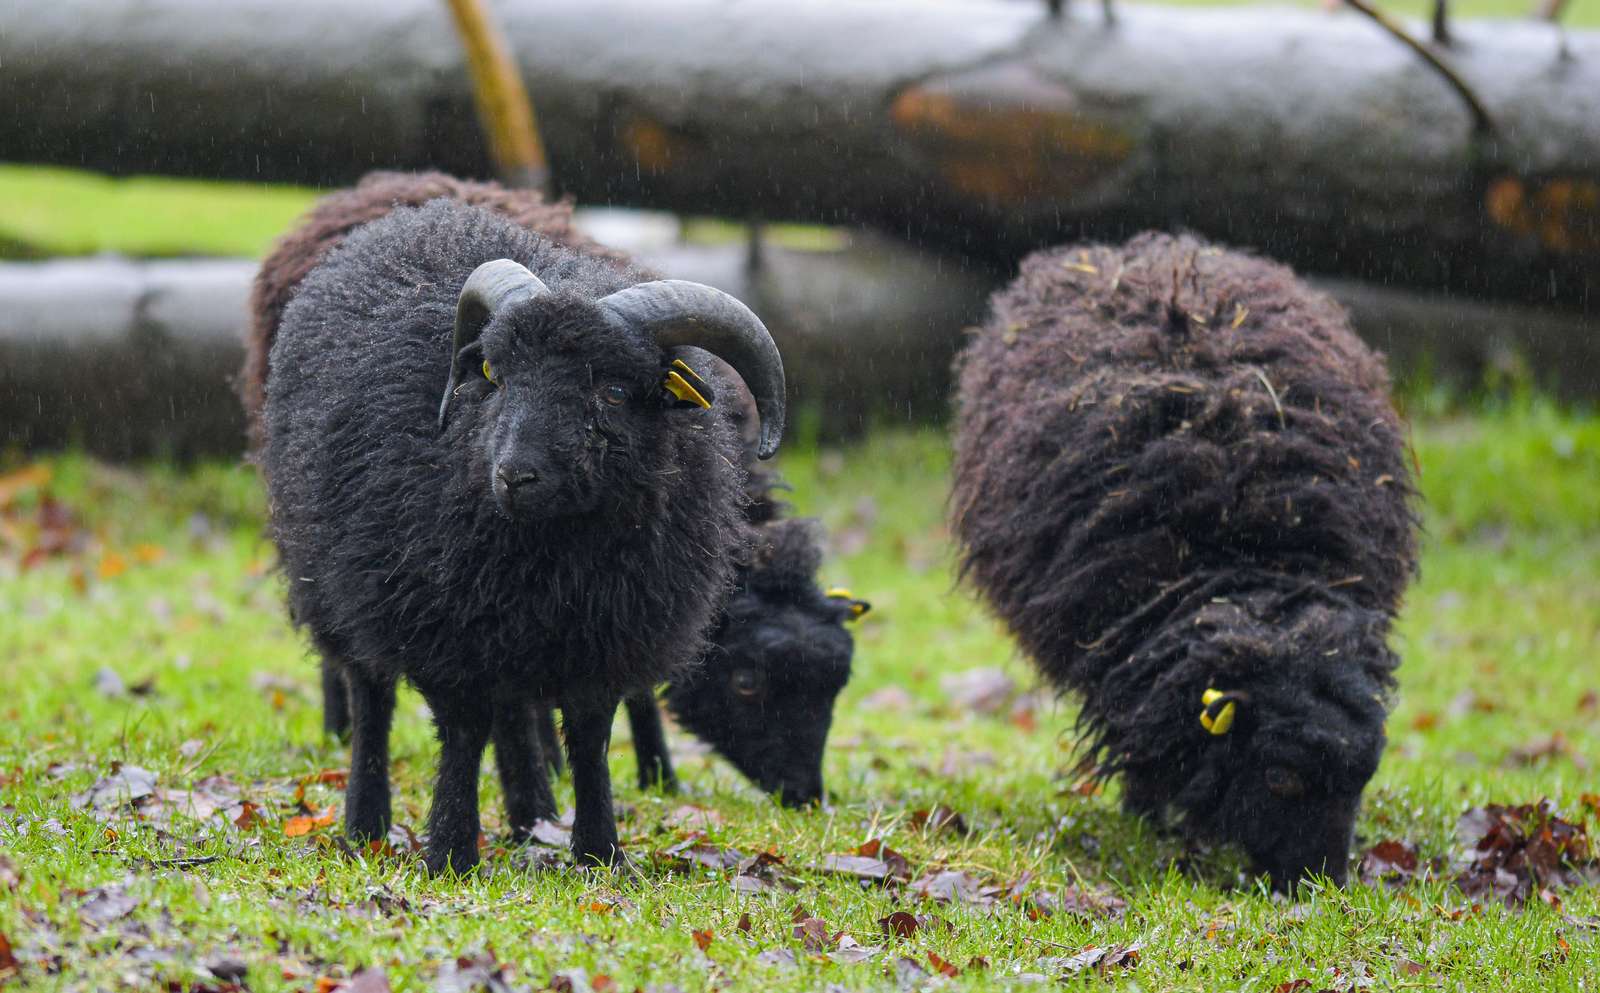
column 125, row 786
column 703, row 939
column 814, row 934
column 296, row 827
column 952, row 886
column 1292, row 986
column 939, row 818
column 112, row 565
column 907, row 972
column 688, row 817
column 849, row 951
column 744, row 924
column 1388, row 861
column 105, row 904
column 899, row 924
column 887, row 698
column 872, row 861
column 248, row 817
column 1547, row 749
column 783, row 958
column 8, row 959
column 942, row 966
column 481, row 973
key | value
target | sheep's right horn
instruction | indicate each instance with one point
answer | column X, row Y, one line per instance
column 676, row 313
column 491, row 286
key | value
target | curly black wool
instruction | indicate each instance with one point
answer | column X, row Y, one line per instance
column 1178, row 470
column 402, row 560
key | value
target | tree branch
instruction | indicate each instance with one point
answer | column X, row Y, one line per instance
column 503, row 105
column 1482, row 123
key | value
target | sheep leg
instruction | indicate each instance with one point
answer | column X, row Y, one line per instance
column 335, row 700
column 519, row 756
column 549, row 741
column 650, row 742
column 463, row 726
column 371, row 711
column 586, row 722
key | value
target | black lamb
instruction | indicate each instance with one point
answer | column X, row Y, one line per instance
column 778, row 658
column 1179, row 481
column 781, row 617
column 559, row 529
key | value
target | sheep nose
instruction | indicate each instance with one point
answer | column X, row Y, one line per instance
column 517, row 478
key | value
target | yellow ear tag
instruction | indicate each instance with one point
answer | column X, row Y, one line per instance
column 680, row 388
column 488, row 373
column 1223, row 721
column 857, row 607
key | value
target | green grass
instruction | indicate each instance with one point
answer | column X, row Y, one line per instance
column 1505, row 613
column 70, row 212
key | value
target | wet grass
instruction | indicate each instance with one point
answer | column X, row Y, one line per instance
column 170, row 582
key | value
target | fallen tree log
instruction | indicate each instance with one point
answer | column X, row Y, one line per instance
column 131, row 359
column 979, row 126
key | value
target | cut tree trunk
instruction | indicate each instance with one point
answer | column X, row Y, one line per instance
column 979, row 126
column 133, row 359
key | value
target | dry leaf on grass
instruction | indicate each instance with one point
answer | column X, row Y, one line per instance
column 1514, row 853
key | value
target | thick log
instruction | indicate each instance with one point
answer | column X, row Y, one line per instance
column 981, row 126
column 133, row 359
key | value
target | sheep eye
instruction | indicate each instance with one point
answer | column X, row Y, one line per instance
column 745, row 682
column 1284, row 782
column 488, row 373
column 614, row 394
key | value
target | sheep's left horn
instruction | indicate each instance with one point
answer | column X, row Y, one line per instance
column 676, row 313
column 491, row 286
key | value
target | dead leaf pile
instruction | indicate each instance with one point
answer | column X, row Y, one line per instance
column 1515, row 853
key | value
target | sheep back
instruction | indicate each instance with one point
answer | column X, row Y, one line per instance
column 1171, row 459
column 334, row 216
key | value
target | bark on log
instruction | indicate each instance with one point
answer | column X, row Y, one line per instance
column 135, row 359
column 981, row 126
column 130, row 359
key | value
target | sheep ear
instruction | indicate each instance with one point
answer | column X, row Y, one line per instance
column 1219, row 708
column 492, row 287
column 687, row 387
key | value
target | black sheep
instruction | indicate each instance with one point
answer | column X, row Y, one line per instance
column 1179, row 480
column 803, row 624
column 779, row 656
column 560, row 528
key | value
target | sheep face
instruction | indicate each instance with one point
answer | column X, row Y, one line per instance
column 764, row 697
column 1274, row 754
column 566, row 409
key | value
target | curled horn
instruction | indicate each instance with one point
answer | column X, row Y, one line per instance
column 491, row 286
column 676, row 313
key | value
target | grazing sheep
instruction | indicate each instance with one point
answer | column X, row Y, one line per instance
column 779, row 656
column 1179, row 480
column 559, row 529
column 803, row 624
